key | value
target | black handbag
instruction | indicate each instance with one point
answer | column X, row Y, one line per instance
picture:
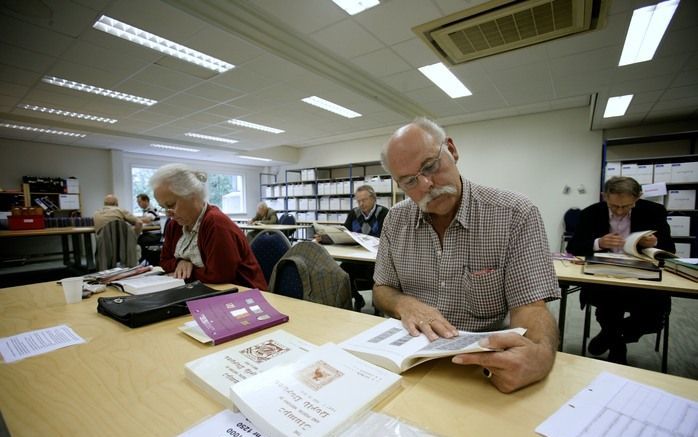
column 135, row 311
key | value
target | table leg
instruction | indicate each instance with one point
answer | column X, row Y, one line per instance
column 561, row 315
column 89, row 253
column 77, row 251
column 66, row 250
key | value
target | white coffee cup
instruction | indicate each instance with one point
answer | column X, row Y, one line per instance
column 72, row 289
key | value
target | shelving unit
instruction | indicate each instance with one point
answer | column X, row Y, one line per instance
column 670, row 159
column 67, row 203
column 325, row 194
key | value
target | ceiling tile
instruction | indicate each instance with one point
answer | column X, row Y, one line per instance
column 393, row 21
column 315, row 15
column 381, row 63
column 347, row 39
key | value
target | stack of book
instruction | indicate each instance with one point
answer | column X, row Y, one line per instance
column 686, row 267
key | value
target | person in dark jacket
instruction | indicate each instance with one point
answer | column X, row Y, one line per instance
column 603, row 227
column 366, row 218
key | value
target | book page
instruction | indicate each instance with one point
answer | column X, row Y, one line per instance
column 613, row 406
column 368, row 242
column 40, row 341
column 630, row 246
column 336, row 233
column 224, row 424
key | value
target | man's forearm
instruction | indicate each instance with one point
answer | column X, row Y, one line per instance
column 539, row 323
column 386, row 299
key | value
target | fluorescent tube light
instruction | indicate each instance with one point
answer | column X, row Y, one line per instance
column 645, row 32
column 53, row 80
column 353, row 7
column 68, row 113
column 165, row 146
column 162, row 45
column 331, row 107
column 254, row 157
column 255, row 126
column 616, row 106
column 444, row 79
column 41, row 130
column 209, row 137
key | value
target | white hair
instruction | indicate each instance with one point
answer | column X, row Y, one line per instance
column 182, row 180
column 430, row 130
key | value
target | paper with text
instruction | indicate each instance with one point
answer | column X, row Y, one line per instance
column 615, row 406
column 29, row 344
column 224, row 424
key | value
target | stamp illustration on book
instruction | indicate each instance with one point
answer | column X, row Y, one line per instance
column 318, row 375
column 264, row 351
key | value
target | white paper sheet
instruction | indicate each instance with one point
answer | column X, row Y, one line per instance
column 29, row 344
column 224, row 424
column 615, row 406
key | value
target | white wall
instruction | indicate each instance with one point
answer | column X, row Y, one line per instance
column 91, row 166
column 536, row 155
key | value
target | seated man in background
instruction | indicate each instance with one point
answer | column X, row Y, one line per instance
column 367, row 218
column 201, row 242
column 603, row 227
column 457, row 255
column 114, row 247
column 150, row 241
column 264, row 216
column 111, row 212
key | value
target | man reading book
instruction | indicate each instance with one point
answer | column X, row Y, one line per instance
column 458, row 255
column 603, row 227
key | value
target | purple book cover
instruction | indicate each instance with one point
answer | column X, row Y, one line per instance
column 234, row 315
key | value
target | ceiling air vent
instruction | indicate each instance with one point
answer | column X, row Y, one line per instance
column 501, row 25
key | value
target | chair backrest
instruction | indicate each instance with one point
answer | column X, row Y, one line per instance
column 287, row 219
column 571, row 219
column 268, row 247
column 116, row 244
column 322, row 280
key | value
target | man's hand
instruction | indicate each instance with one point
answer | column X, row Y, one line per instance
column 418, row 317
column 520, row 363
column 611, row 241
column 183, row 269
column 648, row 241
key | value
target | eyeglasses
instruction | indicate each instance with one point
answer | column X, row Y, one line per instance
column 628, row 206
column 429, row 168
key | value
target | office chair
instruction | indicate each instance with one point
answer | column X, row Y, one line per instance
column 570, row 220
column 287, row 219
column 268, row 247
column 307, row 271
column 664, row 327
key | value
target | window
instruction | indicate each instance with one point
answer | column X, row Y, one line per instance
column 226, row 192
column 139, row 184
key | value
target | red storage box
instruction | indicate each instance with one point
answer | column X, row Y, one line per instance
column 21, row 222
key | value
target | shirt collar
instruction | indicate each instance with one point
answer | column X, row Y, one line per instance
column 370, row 213
column 195, row 228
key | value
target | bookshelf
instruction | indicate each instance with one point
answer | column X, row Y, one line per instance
column 326, row 194
column 663, row 159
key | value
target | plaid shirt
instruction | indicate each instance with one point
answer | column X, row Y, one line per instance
column 495, row 256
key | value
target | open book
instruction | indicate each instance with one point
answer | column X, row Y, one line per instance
column 390, row 346
column 146, row 283
column 632, row 249
column 338, row 234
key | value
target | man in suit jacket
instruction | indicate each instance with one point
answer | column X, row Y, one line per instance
column 603, row 227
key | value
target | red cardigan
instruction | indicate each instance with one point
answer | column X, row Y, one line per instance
column 224, row 249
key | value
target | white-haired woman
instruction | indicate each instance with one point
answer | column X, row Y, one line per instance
column 201, row 243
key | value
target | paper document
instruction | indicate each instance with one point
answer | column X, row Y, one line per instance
column 29, row 344
column 224, row 424
column 615, row 406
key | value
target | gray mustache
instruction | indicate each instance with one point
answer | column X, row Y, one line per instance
column 434, row 193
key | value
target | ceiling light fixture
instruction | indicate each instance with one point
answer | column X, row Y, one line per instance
column 616, row 106
column 165, row 146
column 255, row 126
column 53, row 80
column 645, row 32
column 68, row 113
column 446, row 80
column 254, row 157
column 162, row 45
column 209, row 137
column 331, row 107
column 353, row 7
column 42, row 130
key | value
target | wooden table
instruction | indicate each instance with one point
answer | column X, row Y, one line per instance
column 74, row 233
column 126, row 382
column 571, row 274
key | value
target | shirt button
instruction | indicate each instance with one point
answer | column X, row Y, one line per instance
column 438, row 252
column 443, row 284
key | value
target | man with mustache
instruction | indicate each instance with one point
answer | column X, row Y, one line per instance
column 461, row 256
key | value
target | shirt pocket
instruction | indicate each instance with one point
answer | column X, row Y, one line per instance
column 484, row 293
